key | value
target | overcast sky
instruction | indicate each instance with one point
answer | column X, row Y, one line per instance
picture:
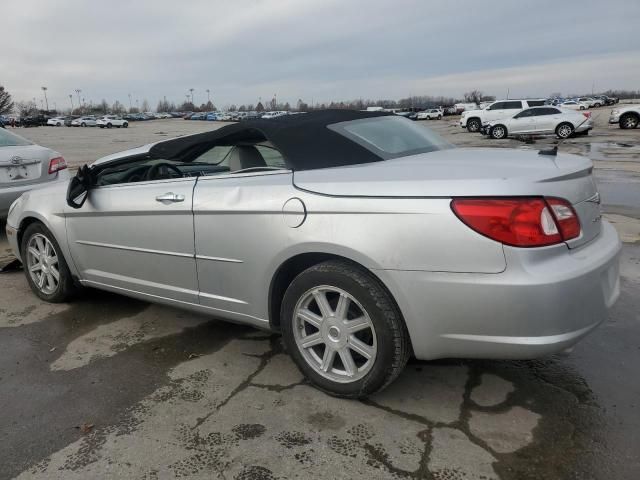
column 316, row 50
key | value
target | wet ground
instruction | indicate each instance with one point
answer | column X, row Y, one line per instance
column 109, row 387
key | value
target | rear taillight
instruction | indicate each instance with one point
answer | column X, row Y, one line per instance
column 519, row 221
column 587, row 114
column 57, row 164
column 565, row 217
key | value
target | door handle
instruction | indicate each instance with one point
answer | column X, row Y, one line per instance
column 170, row 197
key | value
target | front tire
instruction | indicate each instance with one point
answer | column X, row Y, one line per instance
column 83, row 124
column 44, row 265
column 629, row 121
column 473, row 125
column 125, row 125
column 498, row 132
column 564, row 130
column 109, row 125
column 343, row 330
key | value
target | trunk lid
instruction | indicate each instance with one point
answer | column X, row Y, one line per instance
column 468, row 172
column 23, row 165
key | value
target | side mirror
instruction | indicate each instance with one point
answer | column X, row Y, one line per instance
column 79, row 187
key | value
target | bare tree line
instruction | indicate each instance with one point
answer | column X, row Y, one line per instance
column 417, row 102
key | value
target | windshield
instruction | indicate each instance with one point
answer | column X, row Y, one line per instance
column 8, row 139
column 391, row 136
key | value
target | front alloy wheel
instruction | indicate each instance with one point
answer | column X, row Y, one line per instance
column 473, row 125
column 42, row 264
column 343, row 329
column 45, row 267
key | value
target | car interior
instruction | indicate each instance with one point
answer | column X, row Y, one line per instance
column 204, row 160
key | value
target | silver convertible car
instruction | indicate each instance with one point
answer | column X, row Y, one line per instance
column 362, row 237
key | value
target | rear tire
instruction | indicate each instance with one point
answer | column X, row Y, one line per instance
column 473, row 125
column 629, row 121
column 564, row 130
column 109, row 125
column 43, row 260
column 318, row 342
column 125, row 125
column 83, row 124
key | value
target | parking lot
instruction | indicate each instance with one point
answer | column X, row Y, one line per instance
column 112, row 387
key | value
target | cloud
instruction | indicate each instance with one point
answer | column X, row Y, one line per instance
column 320, row 49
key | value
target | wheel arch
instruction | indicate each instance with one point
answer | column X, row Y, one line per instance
column 630, row 114
column 296, row 264
column 24, row 224
column 58, row 231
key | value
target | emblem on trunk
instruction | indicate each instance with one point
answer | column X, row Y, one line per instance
column 16, row 160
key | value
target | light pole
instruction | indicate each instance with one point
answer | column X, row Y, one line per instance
column 208, row 97
column 78, row 91
column 130, row 104
column 71, row 99
column 44, row 90
column 191, row 90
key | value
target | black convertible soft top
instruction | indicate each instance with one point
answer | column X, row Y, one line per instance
column 303, row 139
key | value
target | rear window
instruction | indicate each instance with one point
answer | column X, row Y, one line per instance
column 536, row 103
column 391, row 136
column 8, row 139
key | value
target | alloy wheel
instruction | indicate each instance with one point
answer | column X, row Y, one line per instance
column 498, row 132
column 629, row 122
column 334, row 334
column 564, row 131
column 473, row 126
column 42, row 263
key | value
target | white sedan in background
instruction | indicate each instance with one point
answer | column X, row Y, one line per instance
column 111, row 121
column 84, row 122
column 56, row 121
column 573, row 105
column 540, row 121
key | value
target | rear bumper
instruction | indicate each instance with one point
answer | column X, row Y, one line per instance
column 544, row 302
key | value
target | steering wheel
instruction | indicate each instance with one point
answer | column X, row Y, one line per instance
column 137, row 174
column 161, row 170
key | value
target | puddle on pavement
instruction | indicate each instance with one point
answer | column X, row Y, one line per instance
column 616, row 151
